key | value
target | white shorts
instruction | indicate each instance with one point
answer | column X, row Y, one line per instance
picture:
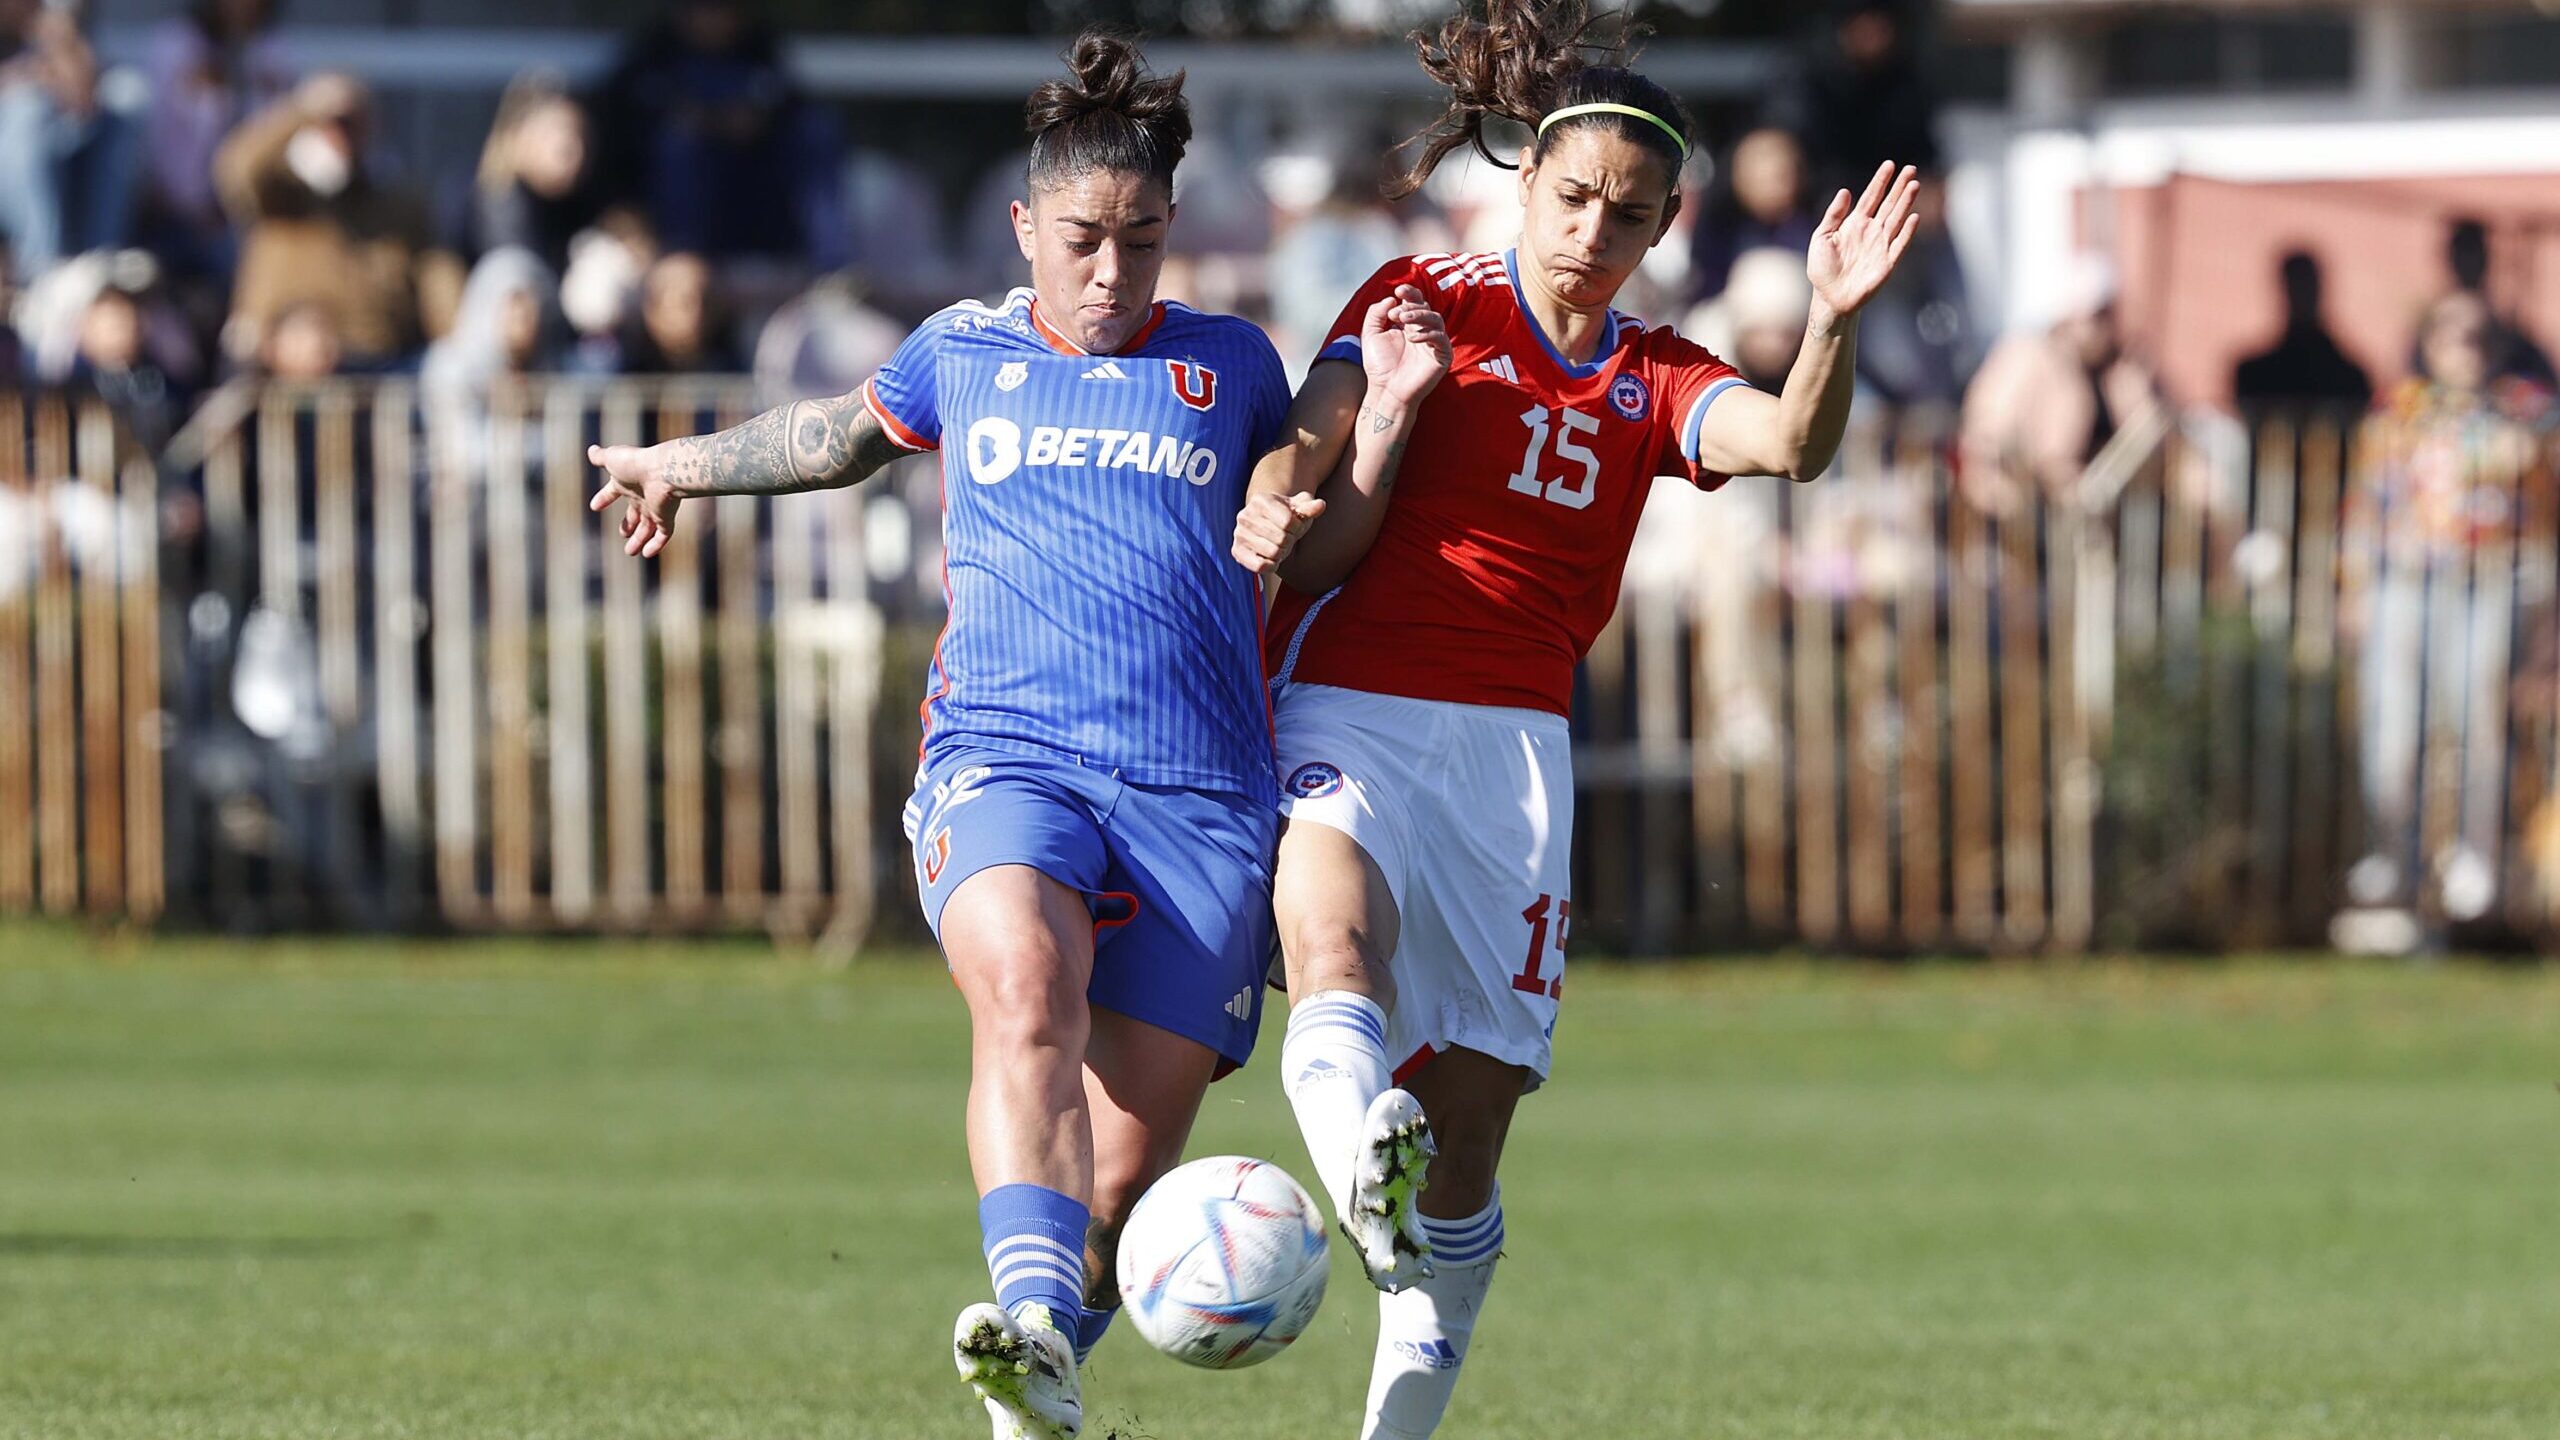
column 1468, row 812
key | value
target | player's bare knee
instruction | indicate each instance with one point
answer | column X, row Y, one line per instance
column 1030, row 1003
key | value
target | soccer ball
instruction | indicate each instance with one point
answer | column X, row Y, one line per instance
column 1223, row 1262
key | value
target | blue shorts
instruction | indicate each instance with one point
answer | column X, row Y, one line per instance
column 1179, row 880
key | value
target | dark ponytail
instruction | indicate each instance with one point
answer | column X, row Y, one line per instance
column 1108, row 114
column 1523, row 61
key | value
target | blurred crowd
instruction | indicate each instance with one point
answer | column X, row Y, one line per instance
column 213, row 212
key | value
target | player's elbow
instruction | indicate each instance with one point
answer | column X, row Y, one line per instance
column 1803, row 461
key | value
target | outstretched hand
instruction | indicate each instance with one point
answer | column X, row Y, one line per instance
column 636, row 474
column 1856, row 247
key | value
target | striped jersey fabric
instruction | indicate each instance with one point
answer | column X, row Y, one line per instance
column 1089, row 503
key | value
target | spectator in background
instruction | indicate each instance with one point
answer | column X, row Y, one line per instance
column 70, row 139
column 209, row 69
column 2435, row 657
column 53, row 316
column 599, row 293
column 2046, row 402
column 2512, row 353
column 1326, row 255
column 703, row 126
column 826, row 341
column 302, row 344
column 1760, row 202
column 1862, row 99
column 533, row 189
column 1915, row 338
column 505, row 327
column 113, row 361
column 2305, row 368
column 1757, row 324
column 684, row 326
column 320, row 225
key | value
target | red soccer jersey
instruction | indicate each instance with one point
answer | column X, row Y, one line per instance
column 1499, row 558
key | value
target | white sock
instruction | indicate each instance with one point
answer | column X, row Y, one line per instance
column 1332, row 1065
column 1423, row 1332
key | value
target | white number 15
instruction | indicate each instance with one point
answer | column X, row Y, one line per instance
column 1571, row 497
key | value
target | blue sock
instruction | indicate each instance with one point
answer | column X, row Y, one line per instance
column 1090, row 1326
column 1035, row 1249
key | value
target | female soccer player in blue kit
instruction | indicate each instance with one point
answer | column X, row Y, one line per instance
column 1095, row 812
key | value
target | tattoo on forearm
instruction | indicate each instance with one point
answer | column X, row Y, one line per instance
column 1379, row 424
column 805, row 445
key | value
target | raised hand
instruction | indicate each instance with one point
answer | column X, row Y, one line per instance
column 1268, row 527
column 1404, row 345
column 1854, row 248
column 637, row 474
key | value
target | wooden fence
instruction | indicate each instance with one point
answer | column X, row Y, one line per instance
column 405, row 679
column 477, row 712
column 80, row 718
column 1872, row 713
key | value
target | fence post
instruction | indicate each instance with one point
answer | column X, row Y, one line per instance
column 101, row 759
column 20, row 562
column 567, row 524
column 146, row 724
column 57, row 713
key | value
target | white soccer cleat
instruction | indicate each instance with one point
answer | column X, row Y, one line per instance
column 1382, row 1222
column 1024, row 1369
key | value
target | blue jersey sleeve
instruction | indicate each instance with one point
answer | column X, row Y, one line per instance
column 1270, row 396
column 902, row 393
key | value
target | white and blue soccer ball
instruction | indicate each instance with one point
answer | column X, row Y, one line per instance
column 1223, row 1262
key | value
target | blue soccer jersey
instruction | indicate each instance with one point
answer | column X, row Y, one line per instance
column 1089, row 504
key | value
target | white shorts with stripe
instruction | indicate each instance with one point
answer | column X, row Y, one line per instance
column 1468, row 812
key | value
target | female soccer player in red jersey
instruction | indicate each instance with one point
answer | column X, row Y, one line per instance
column 1422, row 652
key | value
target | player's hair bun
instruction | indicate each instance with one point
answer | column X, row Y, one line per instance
column 1108, row 113
column 1522, row 60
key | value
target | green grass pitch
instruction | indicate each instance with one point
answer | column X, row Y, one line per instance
column 606, row 1190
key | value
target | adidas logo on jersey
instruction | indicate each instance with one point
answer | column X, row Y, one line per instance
column 1241, row 1007
column 1107, row 370
column 1500, row 365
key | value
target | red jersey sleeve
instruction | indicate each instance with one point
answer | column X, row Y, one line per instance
column 1690, row 379
column 1342, row 340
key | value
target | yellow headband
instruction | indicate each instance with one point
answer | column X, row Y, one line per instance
column 1612, row 107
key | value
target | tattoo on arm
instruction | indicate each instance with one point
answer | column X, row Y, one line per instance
column 1379, row 424
column 805, row 445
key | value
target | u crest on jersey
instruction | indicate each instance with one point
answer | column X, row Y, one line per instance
column 1011, row 374
column 1193, row 385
